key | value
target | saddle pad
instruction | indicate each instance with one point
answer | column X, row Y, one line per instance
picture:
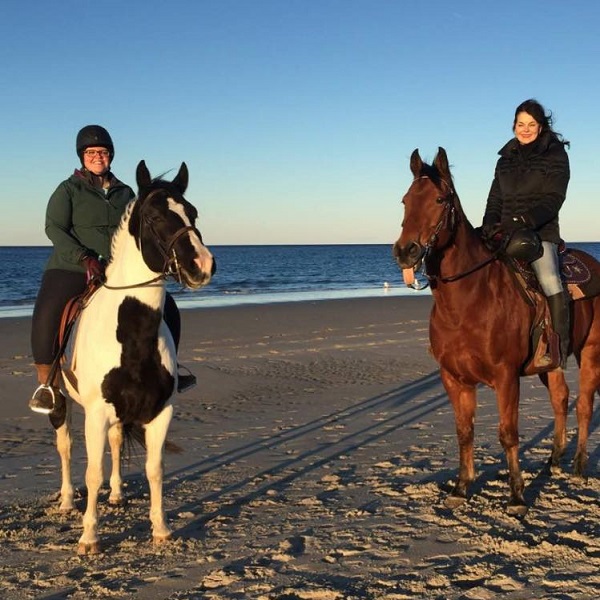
column 581, row 273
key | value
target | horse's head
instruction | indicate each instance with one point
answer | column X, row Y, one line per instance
column 430, row 213
column 163, row 224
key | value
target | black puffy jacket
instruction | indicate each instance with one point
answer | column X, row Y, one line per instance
column 530, row 182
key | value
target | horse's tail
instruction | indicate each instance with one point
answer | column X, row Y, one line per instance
column 133, row 434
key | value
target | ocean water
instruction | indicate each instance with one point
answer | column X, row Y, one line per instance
column 248, row 274
column 245, row 274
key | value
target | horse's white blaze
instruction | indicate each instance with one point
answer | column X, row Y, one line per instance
column 204, row 258
column 177, row 207
column 205, row 262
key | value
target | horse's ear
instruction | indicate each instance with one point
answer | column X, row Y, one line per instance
column 182, row 178
column 441, row 163
column 142, row 175
column 416, row 164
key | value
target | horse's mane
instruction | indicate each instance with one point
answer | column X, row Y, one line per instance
column 122, row 226
column 160, row 182
column 433, row 173
column 160, row 178
column 441, row 182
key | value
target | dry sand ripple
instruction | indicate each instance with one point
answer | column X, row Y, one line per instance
column 319, row 447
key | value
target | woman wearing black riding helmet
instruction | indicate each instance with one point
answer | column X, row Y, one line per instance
column 82, row 214
column 528, row 190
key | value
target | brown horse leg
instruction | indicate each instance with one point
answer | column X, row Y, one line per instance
column 589, row 382
column 463, row 399
column 507, row 394
column 559, row 398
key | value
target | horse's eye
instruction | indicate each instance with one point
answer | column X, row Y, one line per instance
column 440, row 200
column 152, row 219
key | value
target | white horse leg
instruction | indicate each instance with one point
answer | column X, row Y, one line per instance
column 115, row 440
column 64, row 443
column 96, row 427
column 156, row 433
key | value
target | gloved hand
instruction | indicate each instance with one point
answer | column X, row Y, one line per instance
column 514, row 224
column 94, row 269
column 490, row 230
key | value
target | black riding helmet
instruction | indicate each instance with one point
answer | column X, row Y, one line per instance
column 524, row 244
column 93, row 135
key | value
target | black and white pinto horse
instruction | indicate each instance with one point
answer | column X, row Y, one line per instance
column 120, row 363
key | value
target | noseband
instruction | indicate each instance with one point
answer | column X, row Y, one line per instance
column 170, row 266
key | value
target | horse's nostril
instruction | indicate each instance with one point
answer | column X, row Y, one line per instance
column 414, row 250
column 408, row 255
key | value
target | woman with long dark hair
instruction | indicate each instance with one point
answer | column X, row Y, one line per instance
column 527, row 193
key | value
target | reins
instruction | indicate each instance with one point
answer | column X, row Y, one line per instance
column 458, row 276
column 135, row 285
column 449, row 217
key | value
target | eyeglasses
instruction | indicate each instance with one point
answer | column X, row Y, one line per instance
column 92, row 153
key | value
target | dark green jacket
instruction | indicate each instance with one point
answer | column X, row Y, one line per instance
column 81, row 218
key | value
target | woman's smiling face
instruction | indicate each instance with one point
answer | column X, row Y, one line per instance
column 96, row 159
column 526, row 128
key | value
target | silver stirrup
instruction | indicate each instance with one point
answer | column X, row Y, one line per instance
column 41, row 409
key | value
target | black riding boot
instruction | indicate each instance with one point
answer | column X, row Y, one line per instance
column 185, row 381
column 561, row 323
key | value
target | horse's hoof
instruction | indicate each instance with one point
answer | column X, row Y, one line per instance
column 117, row 501
column 554, row 460
column 85, row 549
column 453, row 502
column 517, row 510
column 554, row 469
column 580, row 466
column 159, row 540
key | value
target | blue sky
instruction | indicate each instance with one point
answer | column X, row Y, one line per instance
column 296, row 117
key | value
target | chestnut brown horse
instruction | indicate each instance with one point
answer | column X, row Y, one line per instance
column 480, row 327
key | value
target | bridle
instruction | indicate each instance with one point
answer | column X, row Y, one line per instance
column 448, row 216
column 447, row 221
column 171, row 267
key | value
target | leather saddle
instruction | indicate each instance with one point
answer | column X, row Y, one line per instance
column 70, row 314
column 580, row 273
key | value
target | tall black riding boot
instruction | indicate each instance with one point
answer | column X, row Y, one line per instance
column 560, row 313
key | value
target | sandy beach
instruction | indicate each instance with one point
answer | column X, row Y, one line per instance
column 318, row 448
